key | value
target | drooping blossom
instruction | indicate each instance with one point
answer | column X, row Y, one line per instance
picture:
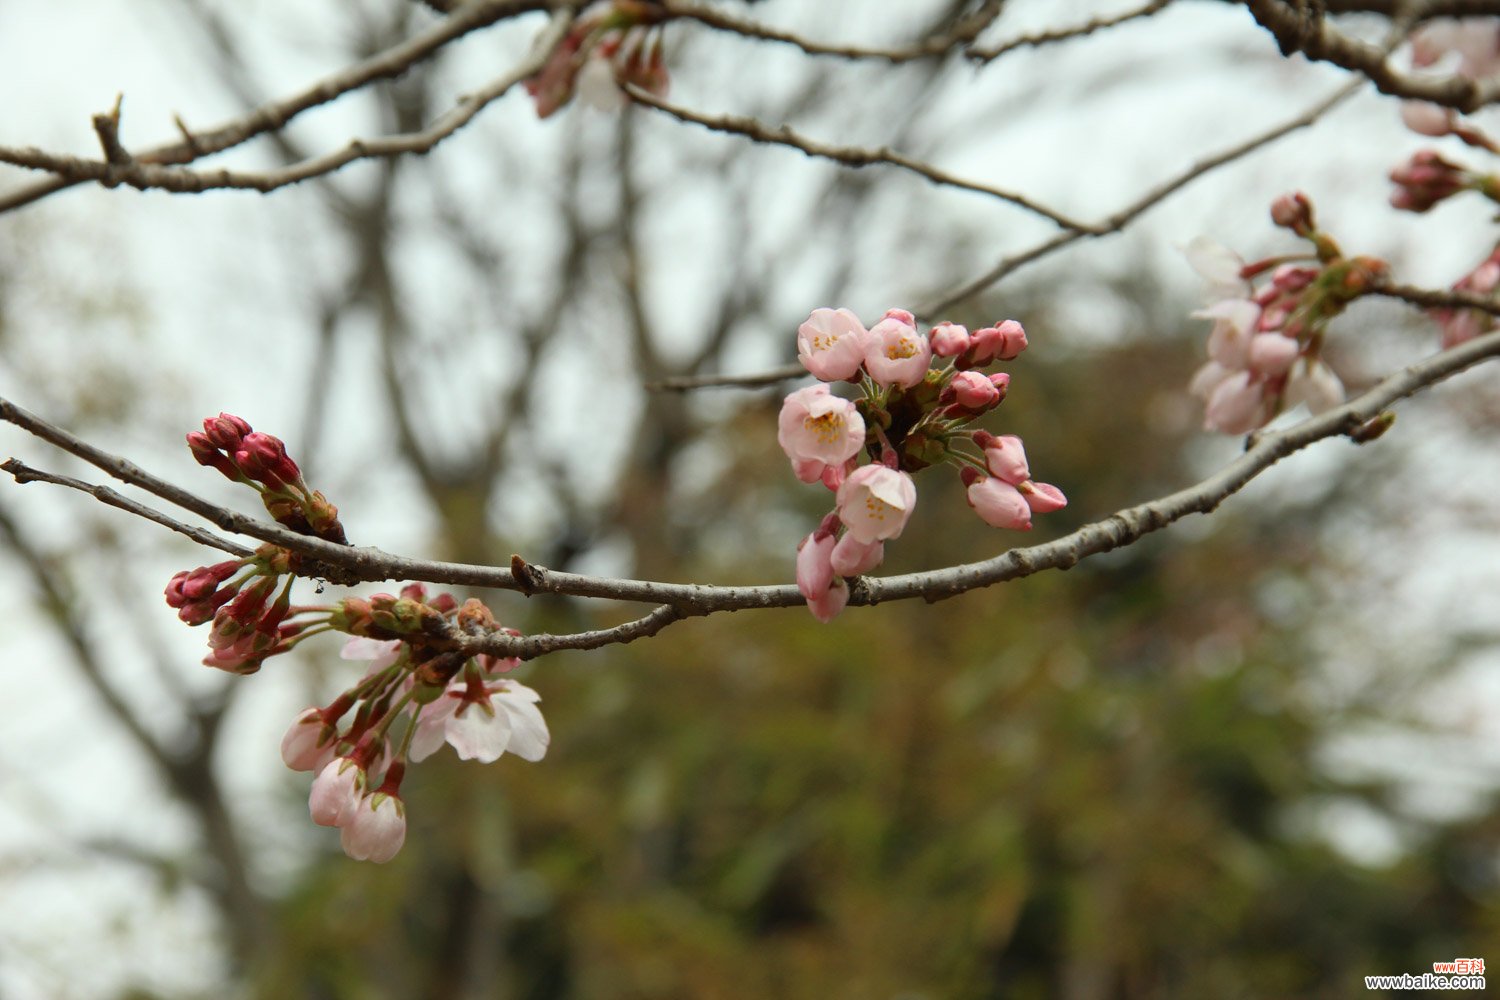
column 831, row 344
column 895, row 353
column 374, row 828
column 335, row 790
column 817, row 429
column 875, row 502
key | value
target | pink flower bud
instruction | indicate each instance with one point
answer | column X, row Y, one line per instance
column 814, row 565
column 1042, row 498
column 831, row 344
column 971, row 391
column 225, row 431
column 1006, row 459
column 204, row 453
column 309, row 742
column 826, row 607
column 949, row 340
column 374, row 828
column 1000, row 504
column 851, row 557
column 269, row 454
column 1293, row 211
column 1004, row 341
column 1425, row 118
column 335, row 790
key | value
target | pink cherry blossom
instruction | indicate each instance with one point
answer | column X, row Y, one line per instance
column 335, row 790
column 1219, row 266
column 851, row 557
column 1234, row 321
column 482, row 722
column 379, row 652
column 1272, row 354
column 895, row 354
column 817, row 426
column 831, row 344
column 1000, row 504
column 1315, row 384
column 374, row 828
column 875, row 502
column 1237, row 405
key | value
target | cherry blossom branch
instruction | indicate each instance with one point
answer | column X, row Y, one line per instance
column 849, row 156
column 1064, row 34
column 1305, row 30
column 268, row 117
column 677, row 601
column 964, row 31
column 1117, row 221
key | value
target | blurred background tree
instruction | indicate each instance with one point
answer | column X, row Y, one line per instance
column 1129, row 780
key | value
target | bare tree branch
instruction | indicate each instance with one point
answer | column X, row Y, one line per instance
column 1065, row 34
column 274, row 115
column 849, row 156
column 964, row 31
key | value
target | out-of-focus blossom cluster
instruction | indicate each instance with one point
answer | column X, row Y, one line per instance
column 1269, row 318
column 610, row 44
column 918, row 392
column 417, row 694
column 1467, row 48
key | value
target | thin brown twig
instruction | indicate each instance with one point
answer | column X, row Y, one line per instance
column 964, row 31
column 683, row 383
column 23, row 473
column 984, row 55
column 1117, row 221
column 850, row 156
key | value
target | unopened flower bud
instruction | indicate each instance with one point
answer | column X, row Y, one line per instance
column 225, row 431
column 949, row 340
column 1293, row 211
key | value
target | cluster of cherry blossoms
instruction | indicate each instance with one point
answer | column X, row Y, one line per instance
column 1265, row 349
column 1469, row 48
column 918, row 393
column 612, row 43
column 418, row 692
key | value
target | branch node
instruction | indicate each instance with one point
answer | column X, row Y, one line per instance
column 527, row 576
column 107, row 127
